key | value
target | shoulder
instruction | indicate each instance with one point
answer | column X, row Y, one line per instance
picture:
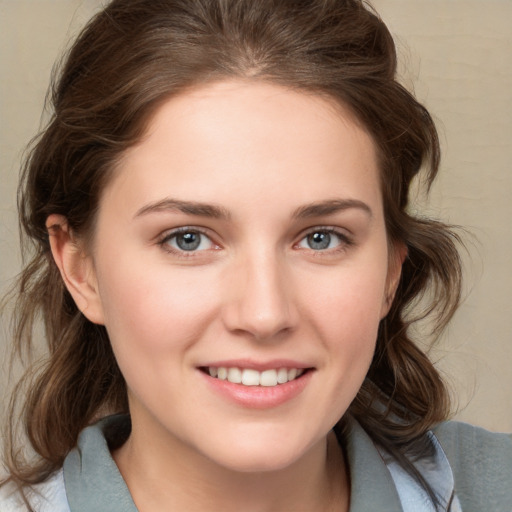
column 48, row 496
column 465, row 444
column 481, row 462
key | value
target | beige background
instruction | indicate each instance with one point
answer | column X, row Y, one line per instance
column 457, row 57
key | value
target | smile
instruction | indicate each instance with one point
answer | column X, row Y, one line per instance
column 251, row 377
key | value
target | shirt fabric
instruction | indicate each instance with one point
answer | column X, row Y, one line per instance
column 471, row 471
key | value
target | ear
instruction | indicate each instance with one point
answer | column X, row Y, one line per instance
column 76, row 268
column 397, row 255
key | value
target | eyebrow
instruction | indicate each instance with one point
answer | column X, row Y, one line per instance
column 187, row 207
column 330, row 207
column 322, row 208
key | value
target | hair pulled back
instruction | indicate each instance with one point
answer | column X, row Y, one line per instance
column 130, row 58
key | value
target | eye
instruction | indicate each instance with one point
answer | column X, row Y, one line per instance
column 187, row 240
column 324, row 239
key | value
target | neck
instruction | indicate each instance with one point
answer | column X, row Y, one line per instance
column 174, row 477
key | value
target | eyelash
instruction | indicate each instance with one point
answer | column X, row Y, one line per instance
column 345, row 241
column 163, row 242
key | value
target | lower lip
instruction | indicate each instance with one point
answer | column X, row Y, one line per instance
column 259, row 397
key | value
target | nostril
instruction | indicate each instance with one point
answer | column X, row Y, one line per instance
column 260, row 302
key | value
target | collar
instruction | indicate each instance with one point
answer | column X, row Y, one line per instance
column 91, row 477
column 371, row 484
column 93, row 481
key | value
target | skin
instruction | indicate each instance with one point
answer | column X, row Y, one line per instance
column 255, row 289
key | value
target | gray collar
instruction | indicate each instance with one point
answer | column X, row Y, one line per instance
column 93, row 481
column 91, row 477
column 371, row 484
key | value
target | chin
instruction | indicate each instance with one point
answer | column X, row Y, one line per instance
column 265, row 455
column 258, row 463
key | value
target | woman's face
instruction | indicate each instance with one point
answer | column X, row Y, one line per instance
column 243, row 239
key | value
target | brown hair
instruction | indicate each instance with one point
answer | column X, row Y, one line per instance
column 132, row 56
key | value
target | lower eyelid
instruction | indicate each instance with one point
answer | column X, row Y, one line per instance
column 164, row 240
column 344, row 239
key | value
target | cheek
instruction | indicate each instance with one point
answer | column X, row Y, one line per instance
column 343, row 314
column 349, row 300
column 153, row 320
column 347, row 315
column 152, row 310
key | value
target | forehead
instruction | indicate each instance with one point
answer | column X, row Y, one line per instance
column 241, row 140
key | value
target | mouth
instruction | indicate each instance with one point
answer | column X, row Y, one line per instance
column 251, row 377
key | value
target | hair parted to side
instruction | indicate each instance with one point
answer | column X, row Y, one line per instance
column 131, row 57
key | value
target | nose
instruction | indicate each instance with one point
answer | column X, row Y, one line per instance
column 262, row 302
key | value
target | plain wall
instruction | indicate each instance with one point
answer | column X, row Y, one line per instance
column 457, row 57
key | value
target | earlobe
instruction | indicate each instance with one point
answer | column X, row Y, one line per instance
column 76, row 268
column 398, row 253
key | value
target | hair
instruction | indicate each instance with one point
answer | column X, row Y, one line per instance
column 132, row 56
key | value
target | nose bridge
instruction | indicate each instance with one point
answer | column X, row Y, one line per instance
column 262, row 304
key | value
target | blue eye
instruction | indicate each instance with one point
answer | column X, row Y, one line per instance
column 187, row 240
column 323, row 239
column 319, row 241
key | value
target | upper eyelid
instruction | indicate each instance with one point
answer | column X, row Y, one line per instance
column 345, row 239
column 167, row 235
column 343, row 232
column 162, row 241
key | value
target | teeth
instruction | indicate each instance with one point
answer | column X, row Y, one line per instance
column 282, row 376
column 249, row 377
column 235, row 375
column 268, row 378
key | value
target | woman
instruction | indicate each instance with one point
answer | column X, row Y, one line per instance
column 225, row 267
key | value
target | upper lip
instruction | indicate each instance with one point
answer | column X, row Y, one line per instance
column 256, row 365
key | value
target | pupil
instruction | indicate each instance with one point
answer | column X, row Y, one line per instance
column 188, row 241
column 319, row 240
